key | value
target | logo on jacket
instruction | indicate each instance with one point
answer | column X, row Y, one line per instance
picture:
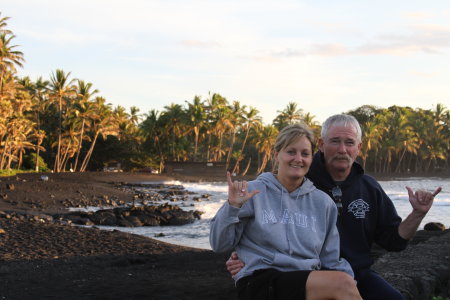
column 358, row 208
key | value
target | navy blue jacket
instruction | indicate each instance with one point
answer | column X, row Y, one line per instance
column 367, row 216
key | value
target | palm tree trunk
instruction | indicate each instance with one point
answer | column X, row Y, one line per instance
column 247, row 167
column 57, row 166
column 89, row 153
column 64, row 158
column 233, row 138
column 79, row 146
column 196, row 132
column 242, row 148
column 208, row 148
column 397, row 169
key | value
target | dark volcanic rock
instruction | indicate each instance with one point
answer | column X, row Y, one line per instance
column 151, row 215
column 434, row 226
column 421, row 270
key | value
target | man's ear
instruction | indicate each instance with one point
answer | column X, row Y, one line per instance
column 320, row 144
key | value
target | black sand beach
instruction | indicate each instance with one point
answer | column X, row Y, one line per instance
column 46, row 260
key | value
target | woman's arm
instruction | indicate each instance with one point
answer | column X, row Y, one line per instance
column 226, row 226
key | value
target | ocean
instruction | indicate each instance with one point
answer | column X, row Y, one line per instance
column 197, row 234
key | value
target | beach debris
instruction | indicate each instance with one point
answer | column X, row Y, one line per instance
column 10, row 186
column 44, row 177
column 434, row 226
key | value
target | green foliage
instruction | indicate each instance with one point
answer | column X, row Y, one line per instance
column 12, row 172
column 29, row 163
column 440, row 298
column 143, row 162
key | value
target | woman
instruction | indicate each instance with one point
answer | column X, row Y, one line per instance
column 284, row 229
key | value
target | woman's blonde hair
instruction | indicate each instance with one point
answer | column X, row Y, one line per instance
column 288, row 135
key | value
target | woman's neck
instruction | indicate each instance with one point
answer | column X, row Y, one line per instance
column 291, row 184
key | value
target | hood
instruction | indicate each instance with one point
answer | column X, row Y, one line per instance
column 274, row 185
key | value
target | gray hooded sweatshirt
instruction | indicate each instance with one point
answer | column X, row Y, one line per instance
column 280, row 230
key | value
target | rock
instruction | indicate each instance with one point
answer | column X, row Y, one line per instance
column 136, row 216
column 2, row 231
column 104, row 217
column 150, row 220
column 421, row 270
column 10, row 186
column 434, row 226
column 134, row 221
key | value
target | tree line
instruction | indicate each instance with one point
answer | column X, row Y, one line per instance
column 63, row 123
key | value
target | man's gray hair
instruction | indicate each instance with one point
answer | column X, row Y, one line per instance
column 341, row 120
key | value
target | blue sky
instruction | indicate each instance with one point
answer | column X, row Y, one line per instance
column 328, row 56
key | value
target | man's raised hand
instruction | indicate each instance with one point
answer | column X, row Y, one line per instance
column 422, row 200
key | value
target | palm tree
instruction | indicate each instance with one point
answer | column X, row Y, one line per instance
column 104, row 123
column 219, row 112
column 233, row 122
column 173, row 119
column 308, row 119
column 61, row 88
column 290, row 115
column 134, row 115
column 265, row 140
column 3, row 25
column 38, row 97
column 196, row 120
column 82, row 108
column 251, row 120
column 152, row 130
column 9, row 58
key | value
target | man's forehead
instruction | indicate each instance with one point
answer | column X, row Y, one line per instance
column 342, row 132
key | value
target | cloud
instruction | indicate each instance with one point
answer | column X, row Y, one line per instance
column 419, row 38
column 423, row 74
column 417, row 15
column 200, row 44
column 425, row 38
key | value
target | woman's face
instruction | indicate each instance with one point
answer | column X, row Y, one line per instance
column 295, row 159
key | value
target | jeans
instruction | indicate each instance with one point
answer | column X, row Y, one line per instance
column 372, row 286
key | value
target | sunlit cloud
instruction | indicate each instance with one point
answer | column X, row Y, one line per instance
column 417, row 15
column 200, row 44
column 423, row 74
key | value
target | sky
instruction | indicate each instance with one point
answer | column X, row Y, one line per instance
column 327, row 56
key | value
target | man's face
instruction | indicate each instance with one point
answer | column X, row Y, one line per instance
column 340, row 148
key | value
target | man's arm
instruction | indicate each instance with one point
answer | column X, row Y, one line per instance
column 234, row 264
column 421, row 202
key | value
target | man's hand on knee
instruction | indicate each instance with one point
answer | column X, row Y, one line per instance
column 234, row 265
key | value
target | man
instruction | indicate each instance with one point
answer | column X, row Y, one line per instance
column 366, row 214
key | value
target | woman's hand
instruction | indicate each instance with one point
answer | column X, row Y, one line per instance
column 238, row 192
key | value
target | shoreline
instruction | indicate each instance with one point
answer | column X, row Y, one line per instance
column 48, row 260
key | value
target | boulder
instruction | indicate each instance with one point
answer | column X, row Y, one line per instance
column 434, row 226
column 136, row 216
column 421, row 270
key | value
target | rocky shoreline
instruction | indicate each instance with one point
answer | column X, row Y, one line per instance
column 44, row 256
